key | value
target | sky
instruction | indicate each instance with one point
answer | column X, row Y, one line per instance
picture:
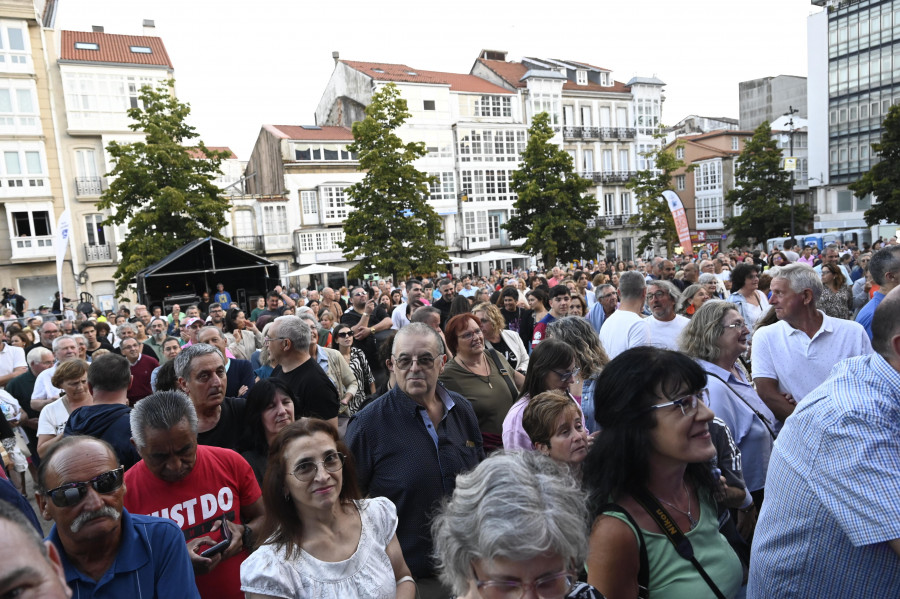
column 243, row 64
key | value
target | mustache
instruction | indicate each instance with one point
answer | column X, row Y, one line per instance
column 85, row 517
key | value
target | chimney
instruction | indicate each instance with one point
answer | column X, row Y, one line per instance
column 97, row 28
column 149, row 27
column 336, row 56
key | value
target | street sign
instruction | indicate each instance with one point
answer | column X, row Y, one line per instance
column 790, row 164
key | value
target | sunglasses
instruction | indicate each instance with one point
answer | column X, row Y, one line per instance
column 71, row 494
column 344, row 334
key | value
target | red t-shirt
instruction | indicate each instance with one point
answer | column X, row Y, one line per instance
column 220, row 483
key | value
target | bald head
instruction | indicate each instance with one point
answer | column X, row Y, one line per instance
column 886, row 328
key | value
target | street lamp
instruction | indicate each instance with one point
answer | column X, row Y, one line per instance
column 790, row 113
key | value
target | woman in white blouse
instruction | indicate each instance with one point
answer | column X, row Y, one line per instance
column 322, row 539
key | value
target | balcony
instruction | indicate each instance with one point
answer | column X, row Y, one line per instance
column 22, row 186
column 104, row 252
column 617, row 133
column 250, row 243
column 277, row 242
column 89, row 186
column 612, row 177
column 32, row 247
column 613, row 222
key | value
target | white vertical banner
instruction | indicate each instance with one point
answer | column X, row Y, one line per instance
column 61, row 243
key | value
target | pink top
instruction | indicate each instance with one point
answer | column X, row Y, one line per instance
column 514, row 435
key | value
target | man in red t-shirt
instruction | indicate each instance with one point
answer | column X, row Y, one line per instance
column 195, row 486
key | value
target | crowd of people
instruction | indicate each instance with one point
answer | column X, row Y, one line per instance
column 717, row 425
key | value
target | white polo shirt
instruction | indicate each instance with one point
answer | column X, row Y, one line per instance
column 43, row 388
column 623, row 330
column 800, row 363
column 11, row 357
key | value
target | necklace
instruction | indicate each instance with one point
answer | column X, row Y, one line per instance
column 484, row 379
column 687, row 513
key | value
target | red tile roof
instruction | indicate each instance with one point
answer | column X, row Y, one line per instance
column 402, row 73
column 114, row 48
column 512, row 73
column 196, row 153
column 321, row 133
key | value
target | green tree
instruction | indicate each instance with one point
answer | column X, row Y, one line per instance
column 552, row 209
column 653, row 216
column 883, row 179
column 161, row 189
column 391, row 229
column 763, row 192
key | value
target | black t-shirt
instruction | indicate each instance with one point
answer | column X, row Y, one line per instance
column 104, row 344
column 504, row 350
column 228, row 430
column 521, row 321
column 351, row 318
column 315, row 394
column 273, row 313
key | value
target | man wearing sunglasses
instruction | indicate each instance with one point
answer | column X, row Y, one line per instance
column 106, row 551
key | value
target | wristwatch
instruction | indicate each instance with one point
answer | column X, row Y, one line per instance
column 372, row 330
column 247, row 537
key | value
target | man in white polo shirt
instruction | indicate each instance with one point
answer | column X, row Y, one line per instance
column 795, row 355
column 12, row 360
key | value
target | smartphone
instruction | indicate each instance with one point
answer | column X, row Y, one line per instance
column 221, row 545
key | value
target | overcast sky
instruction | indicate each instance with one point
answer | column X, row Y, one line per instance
column 241, row 64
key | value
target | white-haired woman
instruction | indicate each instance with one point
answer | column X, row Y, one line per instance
column 514, row 525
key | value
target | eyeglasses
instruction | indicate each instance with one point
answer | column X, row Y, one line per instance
column 567, row 376
column 739, row 325
column 71, row 494
column 306, row 471
column 406, row 362
column 344, row 334
column 358, row 293
column 609, row 295
column 688, row 403
column 268, row 339
column 470, row 334
column 657, row 295
column 553, row 586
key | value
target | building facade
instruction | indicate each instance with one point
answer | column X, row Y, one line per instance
column 768, row 98
column 854, row 78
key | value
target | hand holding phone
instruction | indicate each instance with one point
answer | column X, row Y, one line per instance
column 222, row 545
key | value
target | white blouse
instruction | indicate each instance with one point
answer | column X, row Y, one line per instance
column 367, row 574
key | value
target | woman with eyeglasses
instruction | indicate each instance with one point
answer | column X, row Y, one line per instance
column 322, row 538
column 365, row 380
column 716, row 337
column 481, row 375
column 241, row 335
column 513, row 528
column 70, row 377
column 650, row 485
column 553, row 366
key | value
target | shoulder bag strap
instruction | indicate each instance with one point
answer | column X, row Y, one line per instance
column 644, row 571
column 503, row 372
column 759, row 415
column 681, row 543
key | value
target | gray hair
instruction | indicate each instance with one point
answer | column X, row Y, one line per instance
column 700, row 338
column 708, row 277
column 264, row 351
column 578, row 333
column 161, row 411
column 515, row 505
column 631, row 285
column 800, row 276
column 36, row 355
column 420, row 329
column 884, row 261
column 60, row 339
column 686, row 297
column 668, row 287
column 184, row 359
column 125, row 326
column 294, row 329
column 601, row 289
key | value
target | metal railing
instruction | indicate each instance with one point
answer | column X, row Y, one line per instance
column 103, row 252
column 89, row 186
column 250, row 243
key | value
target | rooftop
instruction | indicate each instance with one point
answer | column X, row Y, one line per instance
column 310, row 132
column 109, row 48
column 402, row 73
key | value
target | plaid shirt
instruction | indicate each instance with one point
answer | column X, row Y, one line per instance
column 833, row 491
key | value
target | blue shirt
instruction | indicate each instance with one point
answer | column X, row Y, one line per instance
column 833, row 491
column 153, row 561
column 396, row 457
column 867, row 312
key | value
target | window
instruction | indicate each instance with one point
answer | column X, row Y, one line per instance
column 490, row 146
column 31, row 229
column 23, row 169
column 581, row 77
column 242, row 224
column 309, row 203
column 679, row 153
column 625, row 204
column 319, row 151
column 493, row 106
column 546, row 103
column 708, row 175
column 443, row 186
column 141, row 50
column 14, row 50
column 94, row 228
column 623, row 160
column 86, row 46
column 428, row 104
column 475, row 226
column 679, row 182
column 709, row 210
column 335, row 206
column 607, row 157
column 275, row 220
column 609, row 203
column 491, row 185
column 844, row 201
column 18, row 108
column 735, row 144
column 588, row 162
column 100, row 101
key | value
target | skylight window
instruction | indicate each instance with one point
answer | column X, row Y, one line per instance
column 141, row 50
column 86, row 46
column 311, row 127
column 413, row 73
column 377, row 70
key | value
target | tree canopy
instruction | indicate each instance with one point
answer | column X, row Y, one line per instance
column 552, row 209
column 653, row 216
column 883, row 179
column 161, row 189
column 392, row 228
column 762, row 192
